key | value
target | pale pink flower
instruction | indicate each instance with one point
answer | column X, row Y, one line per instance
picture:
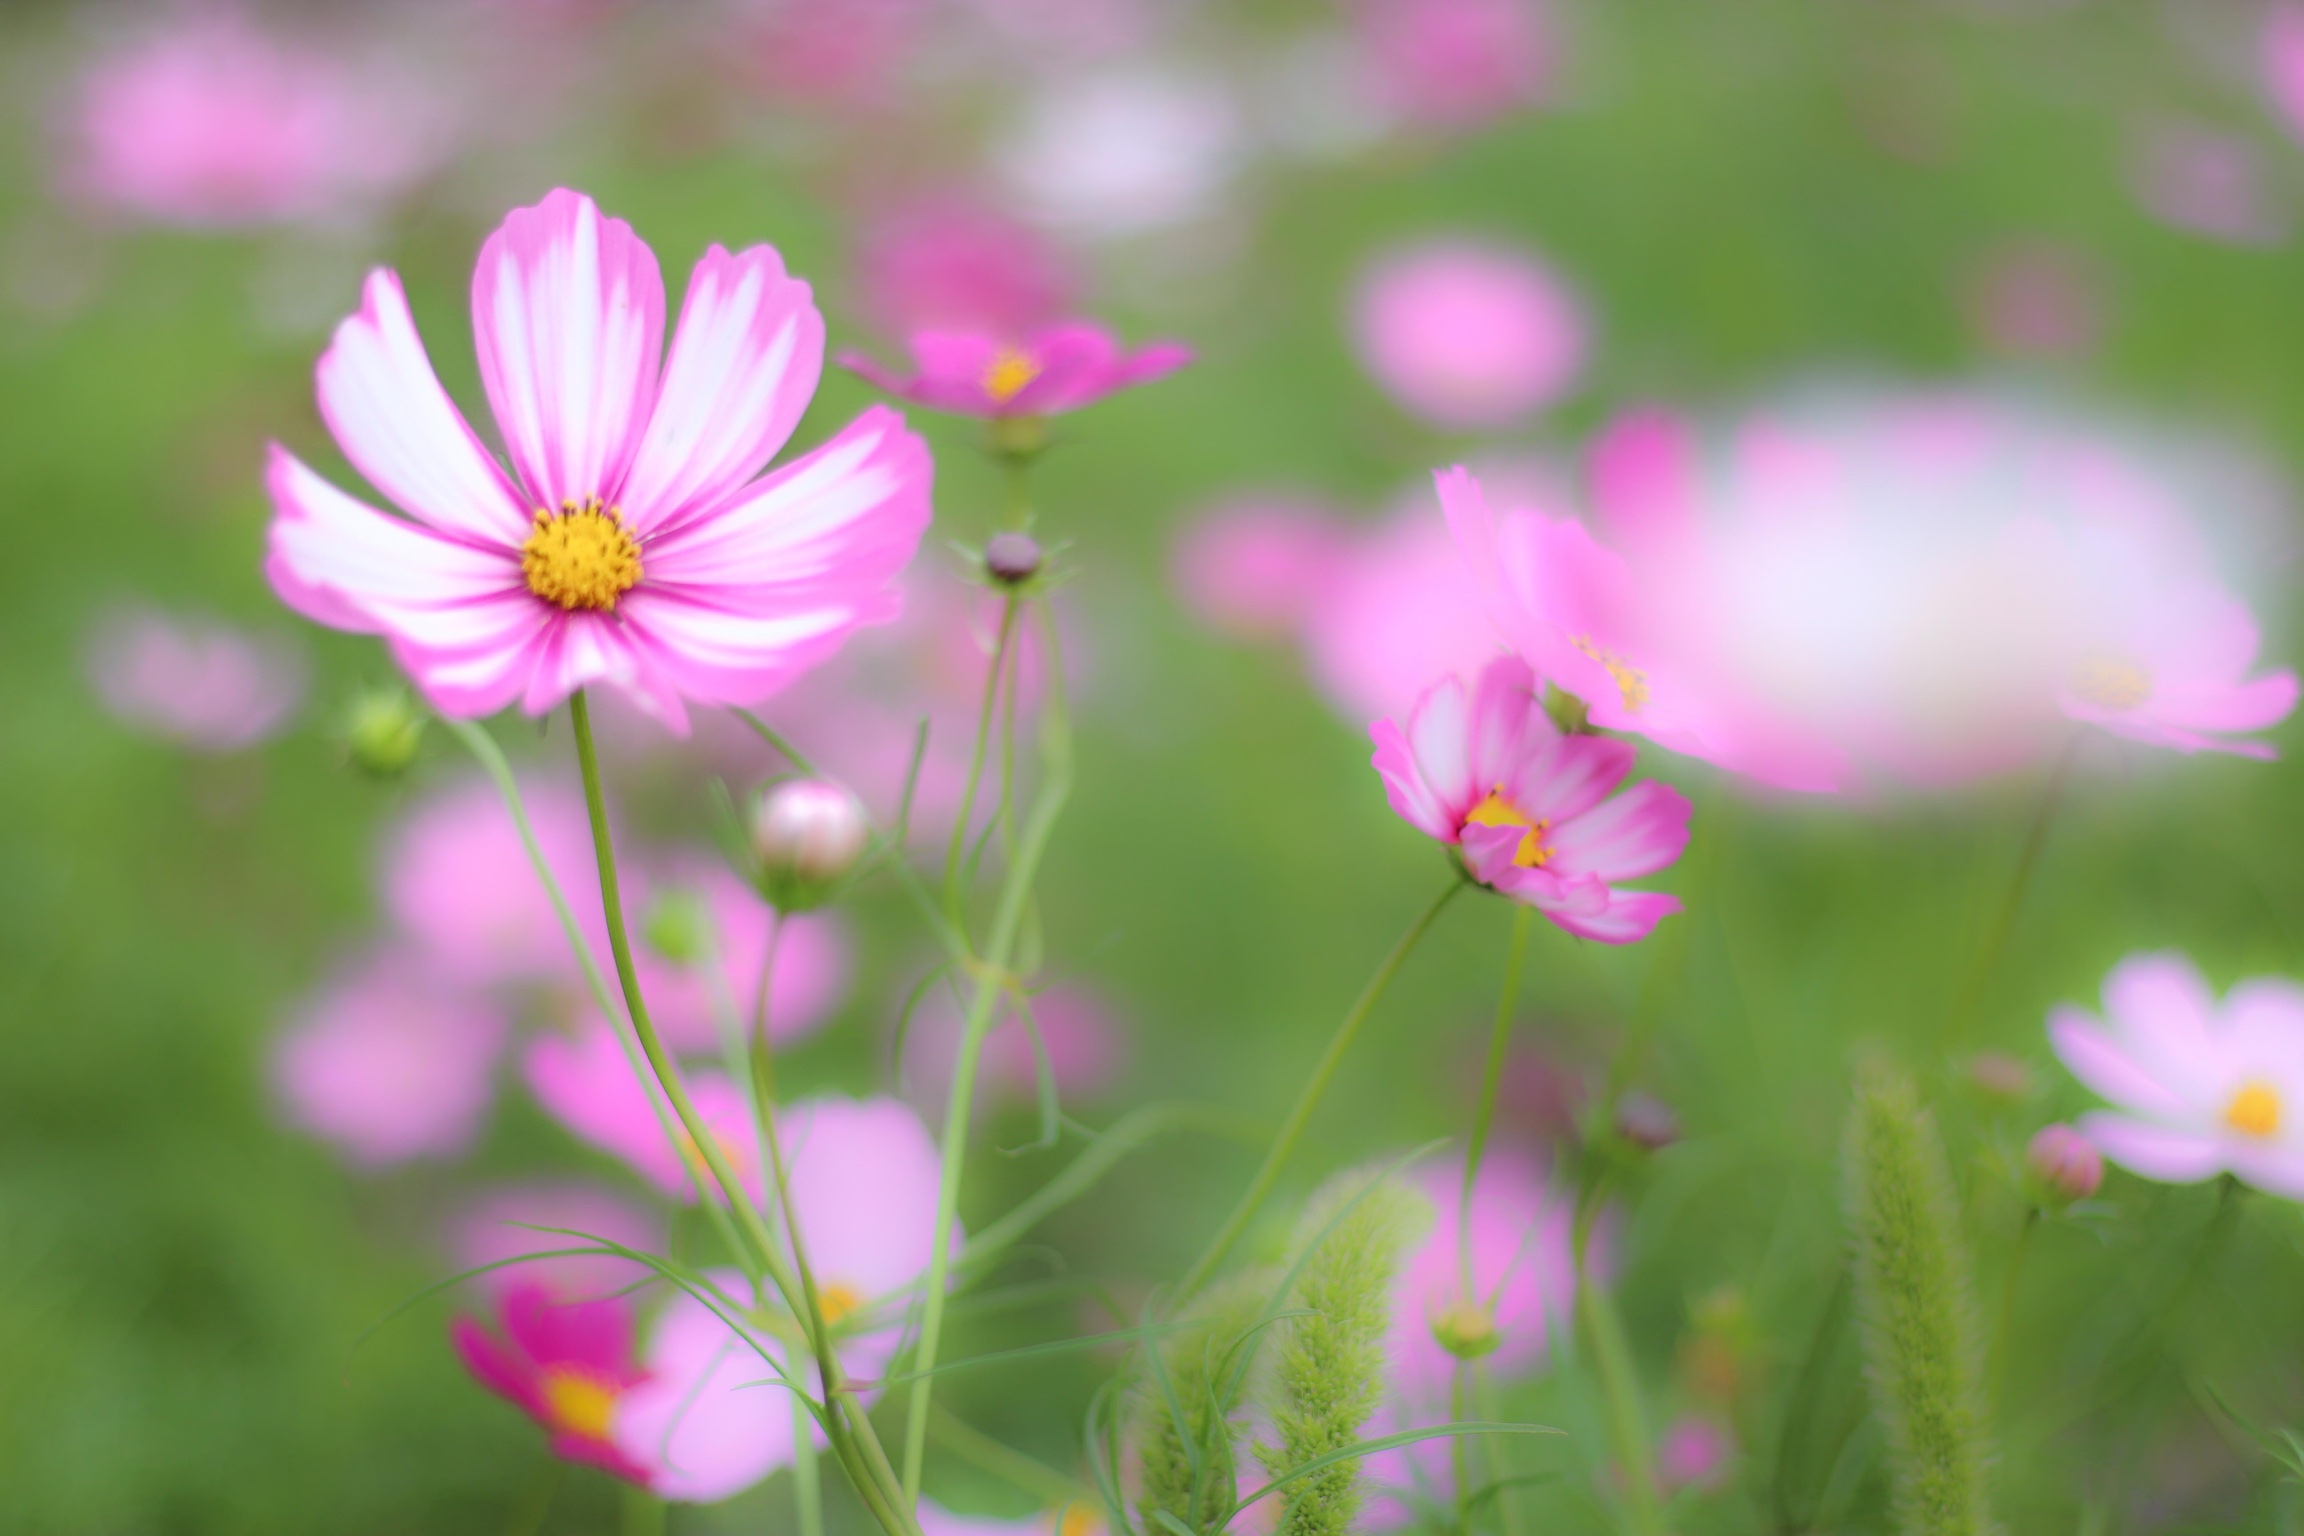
column 388, row 1065
column 523, row 1222
column 633, row 545
column 1532, row 812
column 846, row 55
column 1468, row 336
column 2281, row 48
column 2198, row 1087
column 1044, row 372
column 459, row 882
column 863, row 1177
column 1456, row 64
column 945, row 262
column 1086, row 1047
column 811, row 963
column 2171, row 667
column 203, row 119
column 1124, row 149
column 586, row 1082
column 1695, row 1453
column 566, row 1364
column 2206, row 182
column 1255, row 569
column 2036, row 299
column 206, row 685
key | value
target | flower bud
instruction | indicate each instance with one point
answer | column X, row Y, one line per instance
column 679, row 927
column 807, row 834
column 1012, row 558
column 2065, row 1165
column 2000, row 1078
column 1466, row 1330
column 1646, row 1121
column 383, row 729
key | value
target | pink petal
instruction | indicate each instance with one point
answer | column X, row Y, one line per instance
column 496, row 1366
column 1437, row 732
column 2105, row 1067
column 1488, row 852
column 712, row 1419
column 1570, row 777
column 2276, row 1169
column 745, row 363
column 2156, row 1152
column 1629, row 917
column 568, row 314
column 1505, row 716
column 1404, row 787
column 1637, row 833
column 864, row 1177
column 397, row 425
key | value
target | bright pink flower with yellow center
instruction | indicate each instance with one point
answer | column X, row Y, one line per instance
column 2199, row 1087
column 635, row 541
column 1061, row 368
column 566, row 1364
column 1531, row 810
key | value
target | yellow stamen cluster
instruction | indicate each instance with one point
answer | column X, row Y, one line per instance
column 2112, row 682
column 578, row 1402
column 1630, row 680
column 838, row 1300
column 1077, row 1520
column 583, row 557
column 2255, row 1110
column 1007, row 374
column 1496, row 811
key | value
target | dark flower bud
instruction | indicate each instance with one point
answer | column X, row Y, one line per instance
column 1012, row 558
column 1646, row 1121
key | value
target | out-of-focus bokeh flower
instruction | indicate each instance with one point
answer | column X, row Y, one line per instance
column 203, row 118
column 201, row 684
column 2064, row 1165
column 2206, row 182
column 1085, row 1043
column 2280, row 47
column 1532, row 811
column 945, row 261
column 1124, row 150
column 1045, row 373
column 2199, row 1087
column 1694, row 1453
column 566, row 1364
column 388, row 1065
column 587, row 1083
column 845, row 55
column 1468, row 336
column 532, row 1223
column 458, row 881
column 638, row 548
column 1254, row 569
column 1455, row 65
column 2036, row 299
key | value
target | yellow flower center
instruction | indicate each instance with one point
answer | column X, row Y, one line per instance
column 2255, row 1110
column 2112, row 682
column 578, row 1402
column 1076, row 1520
column 1630, row 680
column 1007, row 374
column 838, row 1300
column 1496, row 811
column 582, row 558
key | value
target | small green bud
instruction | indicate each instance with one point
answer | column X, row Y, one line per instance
column 679, row 927
column 383, row 729
column 1467, row 1330
column 1019, row 437
column 1570, row 713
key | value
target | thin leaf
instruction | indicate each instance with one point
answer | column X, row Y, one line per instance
column 1386, row 1443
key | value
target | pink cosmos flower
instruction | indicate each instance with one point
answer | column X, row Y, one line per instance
column 586, row 1082
column 846, row 55
column 2199, row 1087
column 1468, row 336
column 2172, row 668
column 1043, row 373
column 811, row 962
column 205, row 120
column 1456, row 64
column 2281, row 48
column 1530, row 809
column 389, row 1065
column 206, row 685
column 863, row 1179
column 945, row 262
column 1694, row 1453
column 1255, row 569
column 567, row 1365
column 458, row 881
column 517, row 1221
column 632, row 544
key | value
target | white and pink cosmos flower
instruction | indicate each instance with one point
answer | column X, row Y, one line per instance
column 634, row 540
column 2199, row 1087
column 1045, row 372
column 1532, row 811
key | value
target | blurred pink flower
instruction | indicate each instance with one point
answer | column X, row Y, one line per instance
column 203, row 119
column 1086, row 1047
column 2167, row 663
column 2036, row 299
column 844, row 55
column 458, row 881
column 586, row 1082
column 1529, row 809
column 2064, row 1165
column 206, row 685
column 1456, row 64
column 389, row 1065
column 1124, row 149
column 811, row 962
column 1694, row 1453
column 863, row 1180
column 1468, row 336
column 944, row 262
column 2281, row 48
column 2208, row 183
column 1255, row 569
column 1042, row 373
column 636, row 546
column 513, row 1222
column 567, row 1365
column 2199, row 1088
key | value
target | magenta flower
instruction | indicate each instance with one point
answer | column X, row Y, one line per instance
column 458, row 881
column 1045, row 373
column 524, row 1221
column 586, row 1083
column 206, row 685
column 2198, row 1088
column 632, row 543
column 1467, row 336
column 567, row 1365
column 1528, row 808
column 388, row 1065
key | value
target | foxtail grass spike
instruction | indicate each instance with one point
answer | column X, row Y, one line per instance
column 1183, row 1419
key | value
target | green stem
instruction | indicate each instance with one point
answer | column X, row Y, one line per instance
column 992, row 981
column 1499, row 1467
column 967, row 812
column 1611, row 1357
column 2005, row 1330
column 1971, row 997
column 1012, row 1466
column 1284, row 1145
column 1459, row 1456
column 1491, row 1083
column 807, row 1487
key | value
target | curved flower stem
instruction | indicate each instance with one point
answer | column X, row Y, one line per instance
column 1611, row 1357
column 1971, row 997
column 993, row 676
column 1491, row 1081
column 1284, row 1145
column 807, row 1488
column 1459, row 1459
column 993, row 979
column 2005, row 1329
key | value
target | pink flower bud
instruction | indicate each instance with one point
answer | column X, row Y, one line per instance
column 807, row 834
column 2065, row 1165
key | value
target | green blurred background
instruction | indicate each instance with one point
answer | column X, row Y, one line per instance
column 1745, row 193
